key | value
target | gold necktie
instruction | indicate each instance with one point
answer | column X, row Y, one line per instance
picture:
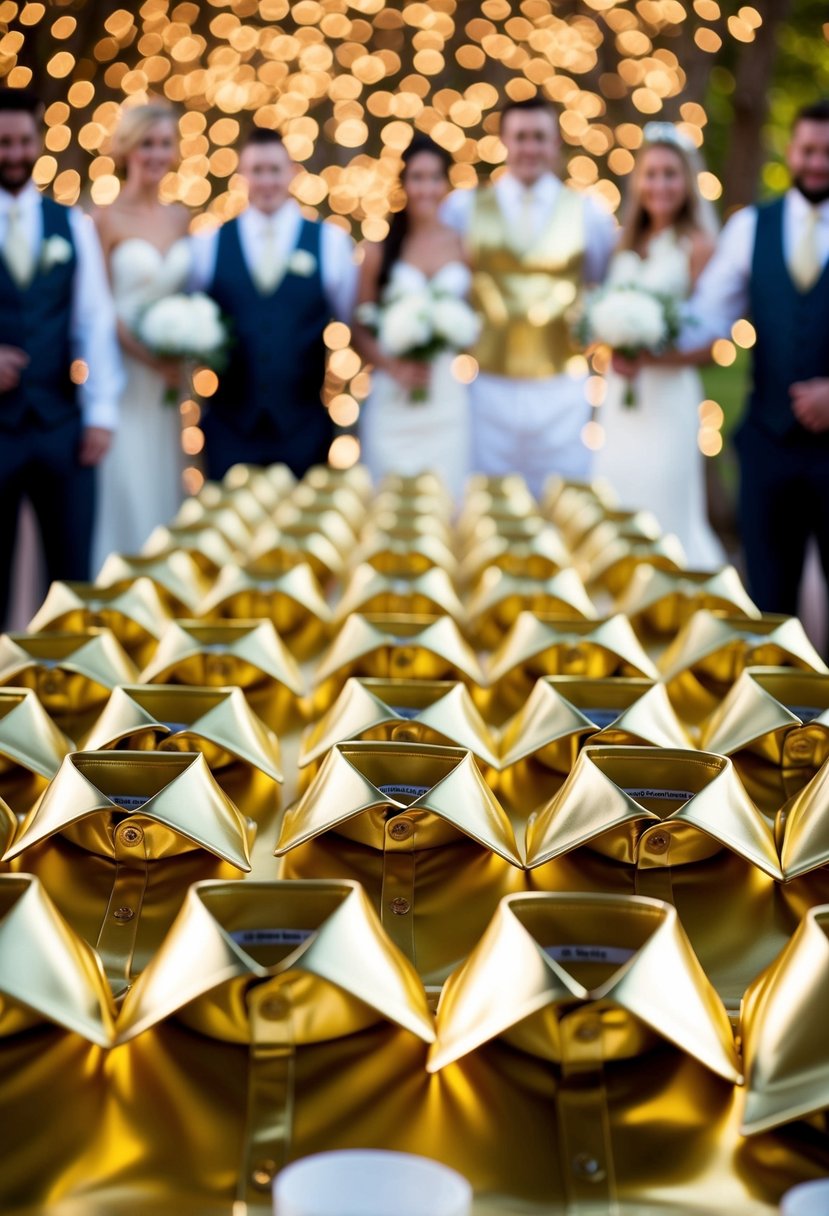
column 268, row 266
column 806, row 265
column 17, row 248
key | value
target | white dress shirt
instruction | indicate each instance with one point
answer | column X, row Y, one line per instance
column 722, row 293
column 93, row 332
column 600, row 227
column 337, row 265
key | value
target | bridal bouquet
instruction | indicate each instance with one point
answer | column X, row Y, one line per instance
column 632, row 319
column 420, row 325
column 186, row 327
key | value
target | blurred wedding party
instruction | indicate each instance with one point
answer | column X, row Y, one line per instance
column 414, row 451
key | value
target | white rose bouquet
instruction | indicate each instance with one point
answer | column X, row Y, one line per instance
column 186, row 327
column 420, row 325
column 632, row 319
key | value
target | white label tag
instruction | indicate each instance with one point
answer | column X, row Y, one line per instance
column 806, row 713
column 600, row 717
column 48, row 664
column 405, row 791
column 271, row 937
column 405, row 711
column 214, row 647
column 129, row 802
column 589, row 954
column 660, row 795
column 175, row 726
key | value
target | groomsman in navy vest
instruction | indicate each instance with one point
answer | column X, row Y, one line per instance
column 280, row 278
column 771, row 266
column 56, row 420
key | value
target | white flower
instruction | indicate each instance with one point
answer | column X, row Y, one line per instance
column 455, row 322
column 628, row 319
column 406, row 323
column 625, row 269
column 182, row 326
column 56, row 250
column 302, row 262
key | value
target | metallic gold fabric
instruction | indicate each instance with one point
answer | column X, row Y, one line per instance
column 498, row 599
column 72, row 673
column 293, row 601
column 405, row 557
column 394, row 646
column 31, row 748
column 367, row 590
column 202, row 542
column 136, row 616
column 617, row 558
column 419, row 827
column 538, row 556
column 677, row 825
column 274, row 551
column 524, row 297
column 660, row 602
column 176, row 576
column 711, row 650
column 249, row 654
column 116, row 840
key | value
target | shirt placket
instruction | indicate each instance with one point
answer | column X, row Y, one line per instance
column 119, row 929
column 653, row 863
column 585, row 1145
column 398, row 889
column 270, row 1093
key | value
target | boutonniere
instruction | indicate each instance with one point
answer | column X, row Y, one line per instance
column 302, row 262
column 55, row 251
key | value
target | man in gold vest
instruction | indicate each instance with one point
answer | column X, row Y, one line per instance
column 533, row 243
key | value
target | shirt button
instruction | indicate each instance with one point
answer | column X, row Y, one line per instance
column 799, row 747
column 400, row 906
column 130, row 835
column 274, row 1008
column 589, row 1030
column 51, row 683
column 405, row 734
column 123, row 914
column 587, row 1168
column 219, row 667
column 403, row 658
column 263, row 1174
column 658, row 842
column 401, row 829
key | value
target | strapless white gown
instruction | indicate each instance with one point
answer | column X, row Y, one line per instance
column 139, row 480
column 398, row 435
column 650, row 453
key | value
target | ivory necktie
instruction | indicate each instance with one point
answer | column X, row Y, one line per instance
column 17, row 248
column 268, row 266
column 805, row 265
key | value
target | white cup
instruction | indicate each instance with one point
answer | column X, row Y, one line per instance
column 808, row 1199
column 369, row 1182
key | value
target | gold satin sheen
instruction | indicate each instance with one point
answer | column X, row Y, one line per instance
column 31, row 748
column 524, row 296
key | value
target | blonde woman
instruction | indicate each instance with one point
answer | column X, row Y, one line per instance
column 144, row 242
column 650, row 452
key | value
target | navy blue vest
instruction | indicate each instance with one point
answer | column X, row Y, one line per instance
column 273, row 381
column 792, row 332
column 37, row 319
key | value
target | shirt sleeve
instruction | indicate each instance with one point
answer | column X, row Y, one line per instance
column 203, row 250
column 721, row 295
column 93, row 328
column 456, row 210
column 601, row 235
column 339, row 271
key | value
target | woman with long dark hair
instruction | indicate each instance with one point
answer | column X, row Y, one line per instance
column 417, row 416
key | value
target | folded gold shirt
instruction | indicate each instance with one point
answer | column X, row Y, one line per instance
column 136, row 615
column 677, row 825
column 118, row 837
column 176, row 576
column 418, row 826
column 659, row 602
column 498, row 599
column 293, row 601
column 31, row 748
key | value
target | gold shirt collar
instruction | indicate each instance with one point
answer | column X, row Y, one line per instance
column 499, row 598
column 180, row 717
column 400, row 557
column 603, row 805
column 609, row 646
column 802, row 827
column 274, row 550
column 204, row 544
column 539, row 556
column 28, row 736
column 562, row 712
column 763, row 709
column 661, row 601
column 617, row 557
column 46, row 969
column 293, row 601
column 219, row 646
column 406, row 711
column 440, row 789
column 560, row 952
column 175, row 575
column 136, row 615
column 367, row 590
column 785, row 1045
column 325, row 932
column 184, row 808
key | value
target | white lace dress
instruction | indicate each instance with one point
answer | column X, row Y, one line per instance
column 398, row 435
column 650, row 452
column 139, row 480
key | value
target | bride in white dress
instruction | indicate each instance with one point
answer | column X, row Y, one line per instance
column 144, row 241
column 650, row 452
column 417, row 415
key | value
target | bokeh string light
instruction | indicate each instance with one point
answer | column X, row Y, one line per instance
column 347, row 82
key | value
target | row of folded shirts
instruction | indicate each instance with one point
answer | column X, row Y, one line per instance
column 74, row 671
column 117, row 836
column 578, row 1060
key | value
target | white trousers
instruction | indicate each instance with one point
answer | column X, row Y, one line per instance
column 532, row 427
